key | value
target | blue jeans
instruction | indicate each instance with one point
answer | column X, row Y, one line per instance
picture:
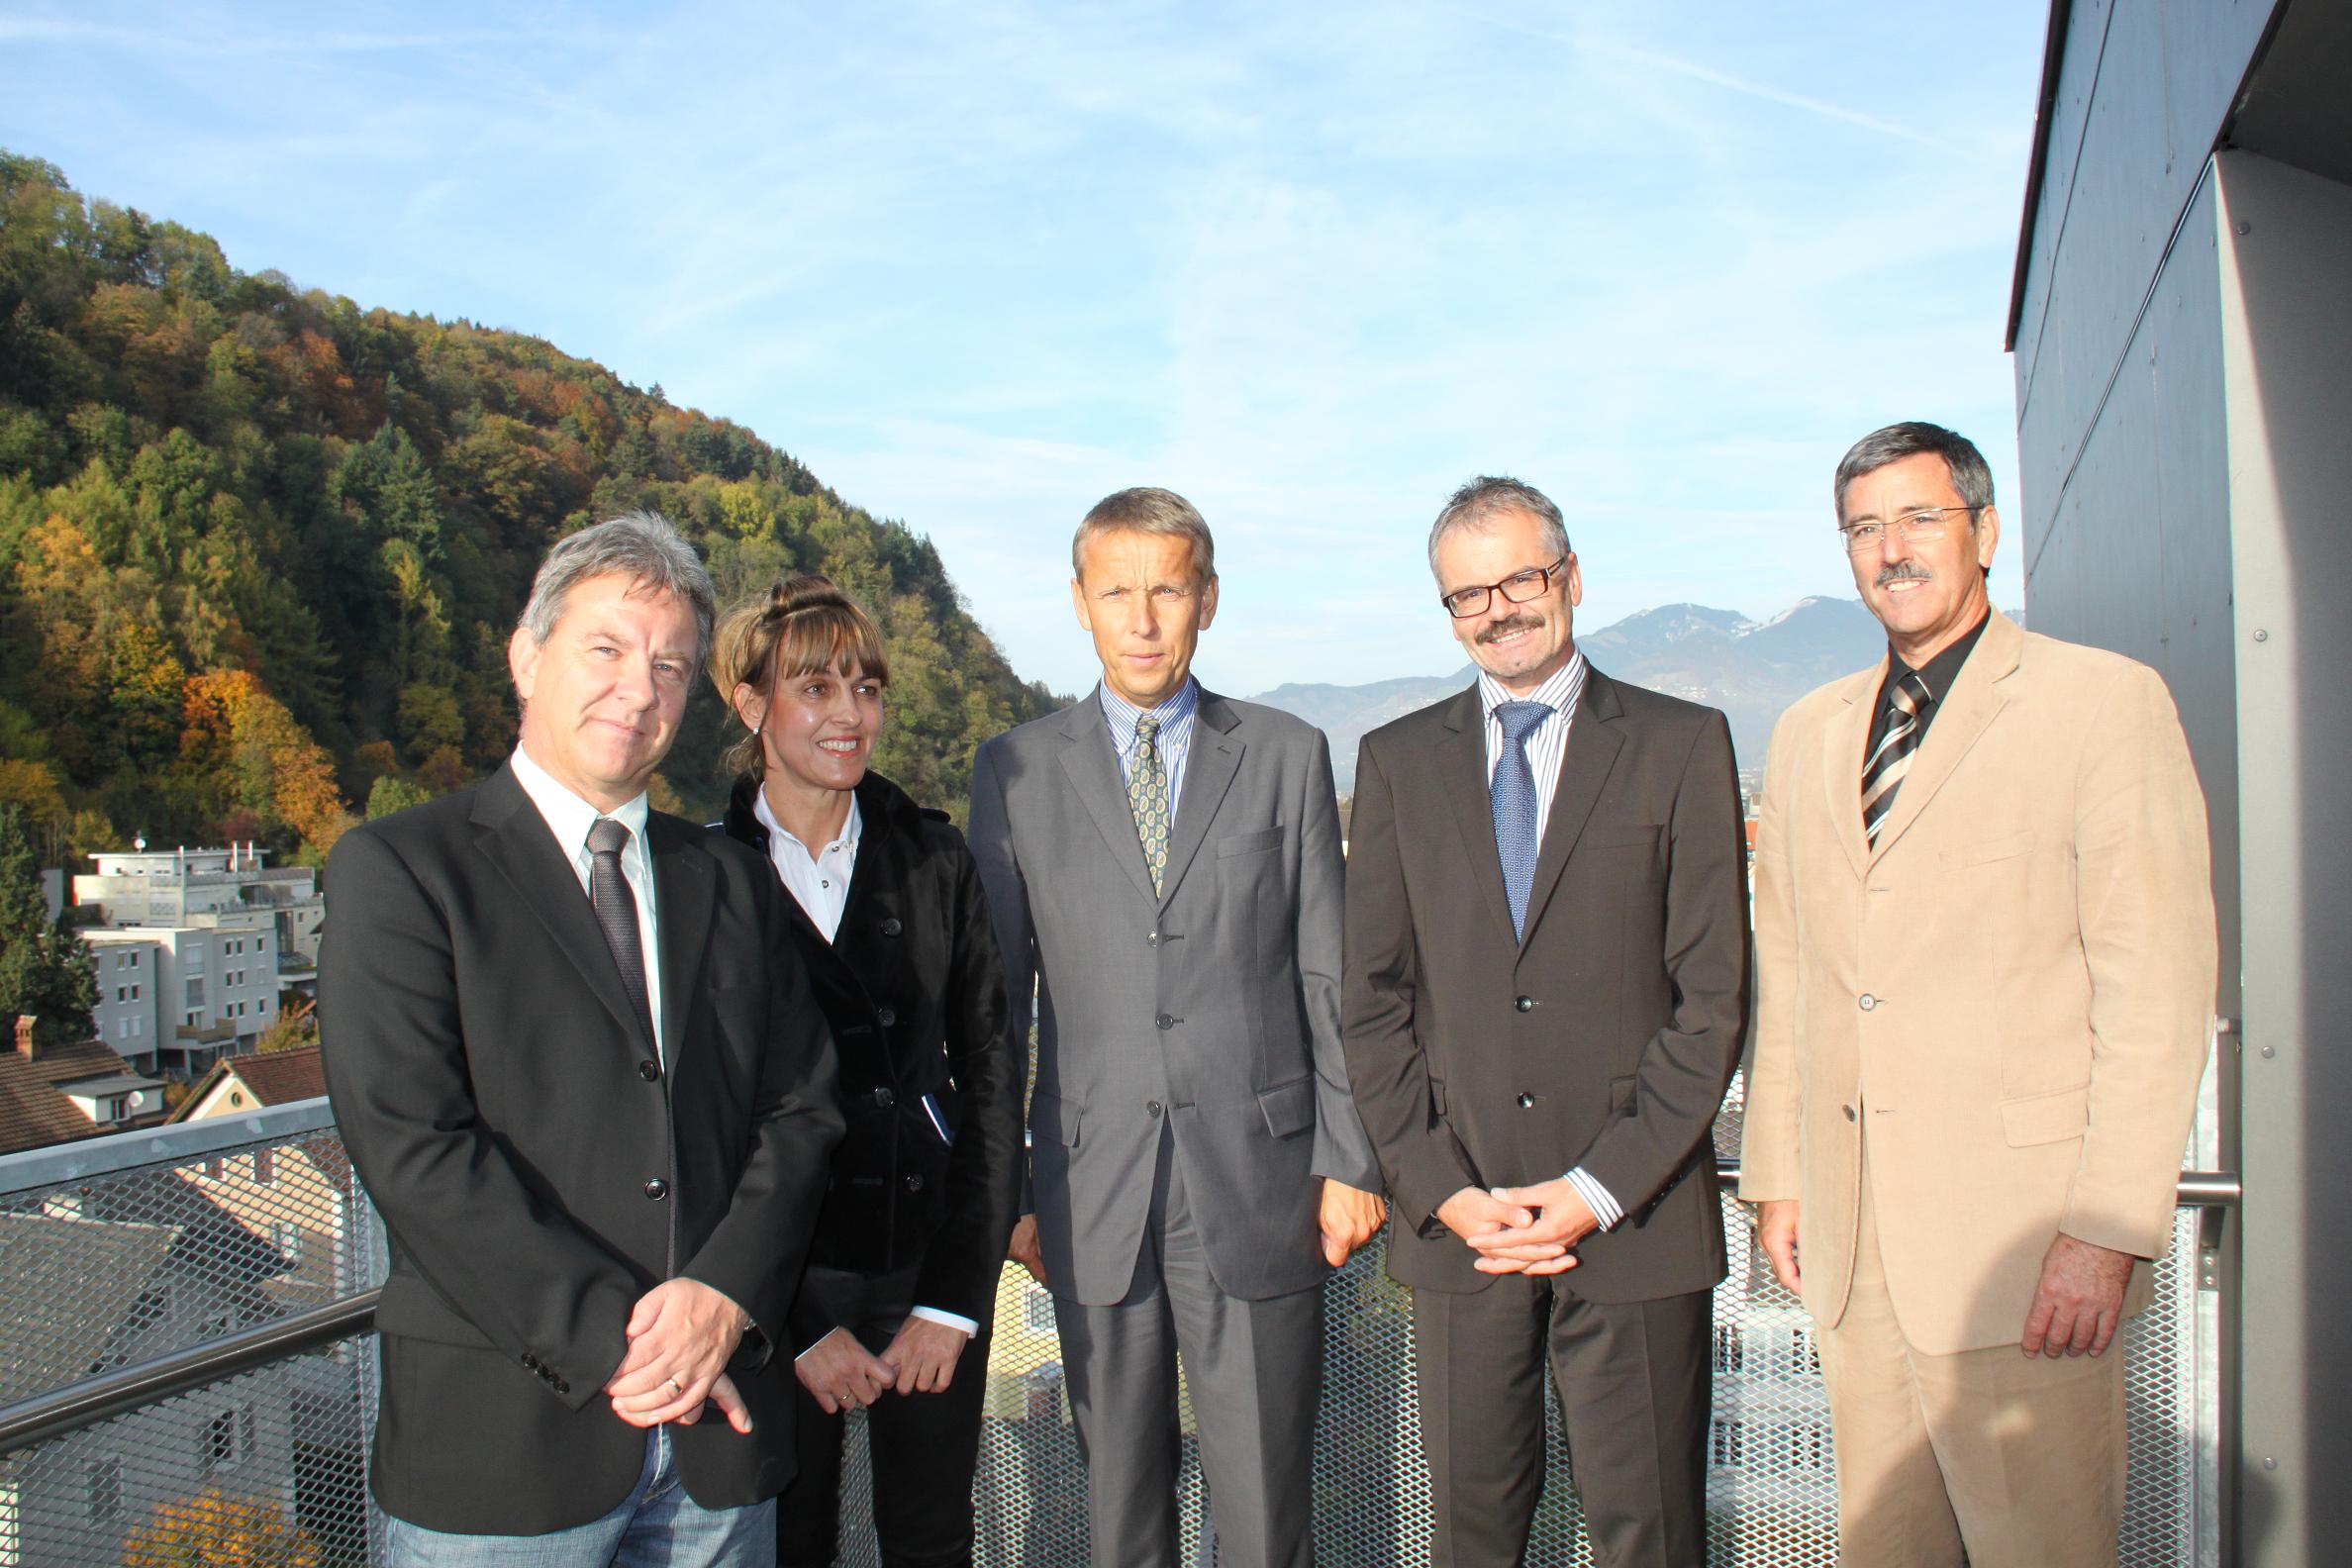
column 657, row 1526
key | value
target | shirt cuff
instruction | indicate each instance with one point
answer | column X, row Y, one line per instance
column 951, row 1320
column 1598, row 1198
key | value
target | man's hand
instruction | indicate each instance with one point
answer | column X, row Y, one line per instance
column 1558, row 1219
column 2080, row 1299
column 840, row 1375
column 1024, row 1249
column 1776, row 1234
column 679, row 1339
column 1349, row 1217
column 1471, row 1214
column 922, row 1355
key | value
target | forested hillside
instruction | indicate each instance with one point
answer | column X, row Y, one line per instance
column 261, row 548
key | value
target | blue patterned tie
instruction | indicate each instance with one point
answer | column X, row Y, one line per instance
column 1514, row 799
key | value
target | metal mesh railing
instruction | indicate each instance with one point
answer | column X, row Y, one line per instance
column 118, row 1268
column 205, row 1239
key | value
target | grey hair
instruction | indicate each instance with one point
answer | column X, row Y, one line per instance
column 1970, row 475
column 1486, row 499
column 645, row 546
column 1148, row 509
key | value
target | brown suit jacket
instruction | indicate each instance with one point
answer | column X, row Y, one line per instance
column 2011, row 995
column 1605, row 1037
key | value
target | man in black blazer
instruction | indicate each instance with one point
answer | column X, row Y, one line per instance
column 1546, row 984
column 576, row 1064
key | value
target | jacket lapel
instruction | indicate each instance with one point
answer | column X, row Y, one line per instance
column 1461, row 763
column 685, row 893
column 1208, row 771
column 1842, row 741
column 1594, row 741
column 513, row 838
column 1094, row 774
column 1968, row 708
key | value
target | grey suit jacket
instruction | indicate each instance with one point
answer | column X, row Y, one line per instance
column 1605, row 1036
column 1213, row 1008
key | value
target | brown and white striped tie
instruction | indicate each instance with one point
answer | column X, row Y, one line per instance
column 1883, row 771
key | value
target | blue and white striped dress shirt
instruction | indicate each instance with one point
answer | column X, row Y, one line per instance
column 1547, row 748
column 1175, row 735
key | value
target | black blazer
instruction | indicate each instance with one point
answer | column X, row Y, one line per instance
column 1605, row 1037
column 914, row 992
column 506, row 1111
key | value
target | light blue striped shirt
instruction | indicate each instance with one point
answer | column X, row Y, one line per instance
column 1175, row 718
column 1547, row 748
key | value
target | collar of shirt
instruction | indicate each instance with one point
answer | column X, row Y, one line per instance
column 1175, row 718
column 1940, row 671
column 569, row 817
column 1558, row 693
column 819, row 879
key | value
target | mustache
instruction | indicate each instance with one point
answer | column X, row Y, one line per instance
column 1901, row 571
column 1517, row 623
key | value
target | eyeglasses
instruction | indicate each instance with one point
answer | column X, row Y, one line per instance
column 1913, row 527
column 1518, row 588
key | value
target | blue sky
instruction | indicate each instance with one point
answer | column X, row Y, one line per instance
column 979, row 263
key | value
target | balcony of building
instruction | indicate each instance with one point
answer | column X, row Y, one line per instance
column 186, row 1355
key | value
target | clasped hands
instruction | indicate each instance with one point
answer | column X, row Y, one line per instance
column 680, row 1337
column 1521, row 1229
column 840, row 1374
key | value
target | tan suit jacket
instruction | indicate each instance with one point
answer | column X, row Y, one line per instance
column 2011, row 996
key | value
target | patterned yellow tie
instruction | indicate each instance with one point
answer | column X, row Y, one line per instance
column 1147, row 795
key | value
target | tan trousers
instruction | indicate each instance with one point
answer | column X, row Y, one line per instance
column 2021, row 1458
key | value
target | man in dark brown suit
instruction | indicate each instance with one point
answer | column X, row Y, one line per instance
column 1544, row 988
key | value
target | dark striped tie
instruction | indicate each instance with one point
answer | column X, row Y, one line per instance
column 615, row 911
column 1883, row 771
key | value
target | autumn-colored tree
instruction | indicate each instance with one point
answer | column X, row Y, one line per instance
column 216, row 1530
column 297, row 1026
column 240, row 744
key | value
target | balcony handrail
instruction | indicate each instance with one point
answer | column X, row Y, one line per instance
column 87, row 1158
column 82, row 1404
column 90, row 1400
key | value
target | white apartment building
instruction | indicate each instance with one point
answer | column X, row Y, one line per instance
column 213, row 989
column 211, row 888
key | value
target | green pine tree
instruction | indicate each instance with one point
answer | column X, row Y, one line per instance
column 44, row 969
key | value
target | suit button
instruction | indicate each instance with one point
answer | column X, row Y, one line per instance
column 1164, row 1021
column 884, row 1017
column 650, row 1071
column 891, row 927
column 885, row 1097
column 531, row 1361
column 1525, row 1004
column 1151, row 940
column 657, row 1189
column 914, row 1184
column 562, row 1387
column 1152, row 1107
column 1868, row 1000
column 1849, row 1111
column 1526, row 1102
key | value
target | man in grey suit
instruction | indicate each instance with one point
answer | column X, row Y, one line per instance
column 1163, row 866
column 1547, row 982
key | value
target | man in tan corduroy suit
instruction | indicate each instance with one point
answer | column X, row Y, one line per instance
column 1984, row 970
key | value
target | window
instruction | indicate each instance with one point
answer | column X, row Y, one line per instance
column 1038, row 1311
column 220, row 1441
column 135, row 993
column 195, row 994
column 1808, row 1447
column 121, row 993
column 1731, row 1350
column 1805, row 1353
column 289, row 1240
column 105, row 1482
column 1728, row 1439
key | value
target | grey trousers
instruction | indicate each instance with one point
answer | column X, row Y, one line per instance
column 1635, row 1383
column 1254, row 1373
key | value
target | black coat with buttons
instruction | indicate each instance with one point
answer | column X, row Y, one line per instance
column 914, row 989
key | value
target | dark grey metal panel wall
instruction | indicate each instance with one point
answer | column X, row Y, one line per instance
column 2144, row 90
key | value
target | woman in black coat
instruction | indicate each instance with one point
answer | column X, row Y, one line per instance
column 893, row 1314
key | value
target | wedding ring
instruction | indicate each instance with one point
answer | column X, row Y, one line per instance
column 677, row 1386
